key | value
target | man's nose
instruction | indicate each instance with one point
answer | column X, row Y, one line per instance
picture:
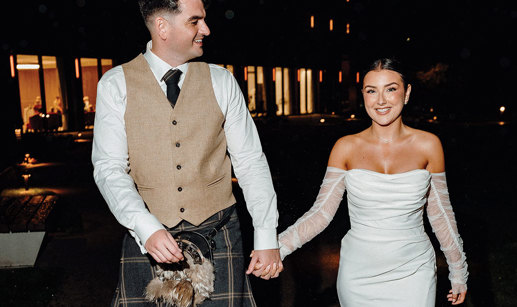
column 204, row 30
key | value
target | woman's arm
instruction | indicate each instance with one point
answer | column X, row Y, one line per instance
column 323, row 210
column 443, row 222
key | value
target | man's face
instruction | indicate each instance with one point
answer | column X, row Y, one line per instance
column 187, row 29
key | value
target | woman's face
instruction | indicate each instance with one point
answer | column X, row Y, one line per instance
column 384, row 95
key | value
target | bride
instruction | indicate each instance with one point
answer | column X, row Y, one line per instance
column 391, row 173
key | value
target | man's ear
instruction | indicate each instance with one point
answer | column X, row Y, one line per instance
column 161, row 25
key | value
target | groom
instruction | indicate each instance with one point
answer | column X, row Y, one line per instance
column 162, row 159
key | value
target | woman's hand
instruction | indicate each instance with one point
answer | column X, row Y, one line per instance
column 456, row 299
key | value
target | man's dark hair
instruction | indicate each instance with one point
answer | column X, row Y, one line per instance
column 149, row 7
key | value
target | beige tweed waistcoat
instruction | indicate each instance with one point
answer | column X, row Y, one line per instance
column 177, row 157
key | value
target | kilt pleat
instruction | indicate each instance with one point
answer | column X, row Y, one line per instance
column 231, row 286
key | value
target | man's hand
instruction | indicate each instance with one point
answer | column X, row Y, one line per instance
column 163, row 248
column 265, row 264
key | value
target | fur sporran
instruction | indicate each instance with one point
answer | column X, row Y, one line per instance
column 189, row 282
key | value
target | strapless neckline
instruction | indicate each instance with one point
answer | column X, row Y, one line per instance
column 385, row 174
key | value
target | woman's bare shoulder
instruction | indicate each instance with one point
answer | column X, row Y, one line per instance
column 343, row 149
column 426, row 140
column 347, row 141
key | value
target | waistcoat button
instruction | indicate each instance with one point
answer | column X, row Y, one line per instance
column 182, row 210
column 177, row 144
column 174, row 122
column 178, row 166
column 180, row 189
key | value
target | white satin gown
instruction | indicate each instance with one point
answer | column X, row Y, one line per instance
column 386, row 258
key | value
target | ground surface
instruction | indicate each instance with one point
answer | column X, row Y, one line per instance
column 78, row 262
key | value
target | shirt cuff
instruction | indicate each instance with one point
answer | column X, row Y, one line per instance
column 147, row 225
column 265, row 239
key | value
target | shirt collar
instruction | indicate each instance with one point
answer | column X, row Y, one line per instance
column 158, row 66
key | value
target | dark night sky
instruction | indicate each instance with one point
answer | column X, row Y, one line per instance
column 475, row 39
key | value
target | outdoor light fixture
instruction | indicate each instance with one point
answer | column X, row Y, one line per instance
column 27, row 66
column 312, row 21
column 347, row 28
column 340, row 76
column 322, row 120
column 26, row 180
column 245, row 73
column 274, row 74
column 357, row 77
column 331, row 25
column 352, row 116
column 27, row 159
column 11, row 60
column 502, row 109
column 77, row 75
column 321, row 76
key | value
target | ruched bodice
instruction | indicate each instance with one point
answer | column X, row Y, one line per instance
column 386, row 203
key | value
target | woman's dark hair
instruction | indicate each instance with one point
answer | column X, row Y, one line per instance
column 388, row 64
column 149, row 7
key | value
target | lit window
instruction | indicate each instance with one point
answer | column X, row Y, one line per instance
column 282, row 94
column 90, row 77
column 30, row 92
column 106, row 64
column 56, row 110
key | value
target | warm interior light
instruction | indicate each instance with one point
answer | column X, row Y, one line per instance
column 298, row 73
column 340, row 76
column 357, row 77
column 502, row 109
column 321, row 76
column 11, row 60
column 352, row 116
column 331, row 25
column 322, row 120
column 274, row 74
column 312, row 21
column 27, row 66
column 77, row 75
column 435, row 118
column 347, row 28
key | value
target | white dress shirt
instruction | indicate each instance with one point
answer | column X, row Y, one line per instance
column 110, row 153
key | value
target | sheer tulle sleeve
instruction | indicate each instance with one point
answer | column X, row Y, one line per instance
column 319, row 215
column 441, row 217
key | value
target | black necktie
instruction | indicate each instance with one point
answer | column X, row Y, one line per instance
column 171, row 78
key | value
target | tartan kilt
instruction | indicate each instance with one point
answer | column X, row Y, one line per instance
column 231, row 285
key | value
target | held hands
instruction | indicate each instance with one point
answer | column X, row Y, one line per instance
column 265, row 264
column 163, row 248
column 456, row 299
